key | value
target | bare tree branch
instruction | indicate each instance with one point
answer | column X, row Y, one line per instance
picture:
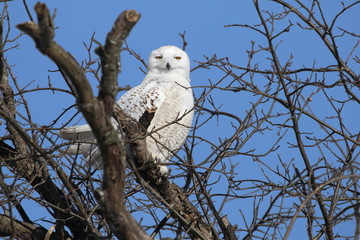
column 22, row 230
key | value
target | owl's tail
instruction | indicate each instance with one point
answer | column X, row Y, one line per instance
column 83, row 142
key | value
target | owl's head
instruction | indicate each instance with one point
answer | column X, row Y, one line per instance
column 169, row 59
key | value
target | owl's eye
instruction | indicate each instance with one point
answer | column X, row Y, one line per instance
column 177, row 57
column 158, row 57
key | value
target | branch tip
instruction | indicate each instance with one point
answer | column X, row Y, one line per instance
column 132, row 15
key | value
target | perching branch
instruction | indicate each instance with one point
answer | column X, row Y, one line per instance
column 165, row 191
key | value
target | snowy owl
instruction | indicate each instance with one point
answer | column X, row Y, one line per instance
column 165, row 91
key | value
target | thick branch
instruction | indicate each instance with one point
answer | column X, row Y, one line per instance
column 110, row 55
column 113, row 151
column 22, row 230
column 177, row 202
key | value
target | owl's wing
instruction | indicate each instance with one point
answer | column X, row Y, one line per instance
column 145, row 97
column 153, row 99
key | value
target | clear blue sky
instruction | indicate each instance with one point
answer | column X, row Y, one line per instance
column 160, row 24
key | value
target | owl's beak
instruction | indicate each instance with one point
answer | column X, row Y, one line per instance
column 168, row 66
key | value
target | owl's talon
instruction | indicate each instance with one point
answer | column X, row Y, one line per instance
column 163, row 170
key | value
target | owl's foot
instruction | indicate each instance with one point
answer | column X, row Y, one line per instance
column 163, row 170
